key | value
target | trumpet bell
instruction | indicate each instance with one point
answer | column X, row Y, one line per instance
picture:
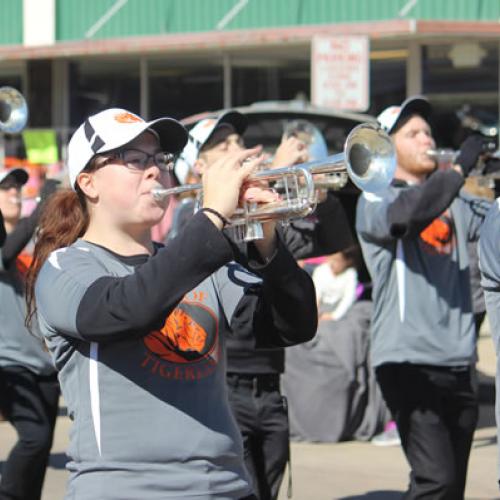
column 370, row 157
column 13, row 110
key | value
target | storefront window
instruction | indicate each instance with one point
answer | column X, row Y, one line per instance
column 387, row 84
column 461, row 81
column 40, row 92
column 269, row 81
column 180, row 89
column 99, row 84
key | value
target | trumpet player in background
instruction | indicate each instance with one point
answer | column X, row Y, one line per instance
column 29, row 391
column 253, row 367
column 413, row 237
column 210, row 139
column 489, row 265
column 137, row 331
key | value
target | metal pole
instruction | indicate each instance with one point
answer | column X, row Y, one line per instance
column 144, row 88
column 414, row 69
column 60, row 93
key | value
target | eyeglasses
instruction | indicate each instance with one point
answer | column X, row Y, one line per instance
column 139, row 160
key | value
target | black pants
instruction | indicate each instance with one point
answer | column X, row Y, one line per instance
column 30, row 404
column 262, row 416
column 478, row 321
column 436, row 412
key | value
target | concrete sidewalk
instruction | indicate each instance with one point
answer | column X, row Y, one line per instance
column 356, row 471
column 347, row 471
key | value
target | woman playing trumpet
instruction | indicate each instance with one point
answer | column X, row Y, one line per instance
column 137, row 331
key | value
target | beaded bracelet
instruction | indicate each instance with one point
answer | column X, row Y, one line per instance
column 225, row 222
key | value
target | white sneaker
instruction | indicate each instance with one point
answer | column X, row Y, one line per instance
column 390, row 436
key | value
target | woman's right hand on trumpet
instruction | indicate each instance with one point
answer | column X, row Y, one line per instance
column 225, row 183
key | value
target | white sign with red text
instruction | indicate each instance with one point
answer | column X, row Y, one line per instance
column 340, row 68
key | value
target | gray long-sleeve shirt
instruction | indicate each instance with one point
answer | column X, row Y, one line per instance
column 19, row 346
column 415, row 246
column 489, row 265
column 143, row 371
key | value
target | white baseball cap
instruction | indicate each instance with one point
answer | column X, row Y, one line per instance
column 416, row 105
column 199, row 136
column 20, row 174
column 116, row 127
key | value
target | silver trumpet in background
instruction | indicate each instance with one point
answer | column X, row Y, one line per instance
column 448, row 155
column 368, row 159
column 443, row 155
column 13, row 110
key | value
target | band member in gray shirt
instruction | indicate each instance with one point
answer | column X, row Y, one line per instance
column 414, row 239
column 137, row 331
column 253, row 374
column 29, row 391
column 489, row 264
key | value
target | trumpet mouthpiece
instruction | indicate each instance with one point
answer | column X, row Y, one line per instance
column 159, row 194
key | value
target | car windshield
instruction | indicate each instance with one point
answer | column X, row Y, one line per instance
column 267, row 129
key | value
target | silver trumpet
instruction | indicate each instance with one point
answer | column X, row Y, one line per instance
column 13, row 110
column 443, row 155
column 368, row 159
column 448, row 155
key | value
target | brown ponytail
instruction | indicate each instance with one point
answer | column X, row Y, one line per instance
column 63, row 219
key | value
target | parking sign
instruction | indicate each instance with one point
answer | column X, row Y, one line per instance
column 340, row 72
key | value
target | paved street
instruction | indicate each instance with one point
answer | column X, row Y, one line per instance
column 347, row 471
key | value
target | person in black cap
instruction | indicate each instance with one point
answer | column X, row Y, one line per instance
column 414, row 240
column 253, row 370
column 2, row 230
column 29, row 391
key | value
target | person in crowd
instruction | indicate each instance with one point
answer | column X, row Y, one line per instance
column 414, row 240
column 490, row 282
column 3, row 233
column 138, row 332
column 335, row 282
column 212, row 138
column 473, row 186
column 29, row 391
column 254, row 373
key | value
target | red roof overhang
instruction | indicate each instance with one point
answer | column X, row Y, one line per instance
column 254, row 38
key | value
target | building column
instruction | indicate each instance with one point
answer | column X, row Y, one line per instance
column 39, row 22
column 227, row 80
column 144, row 88
column 414, row 69
column 60, row 102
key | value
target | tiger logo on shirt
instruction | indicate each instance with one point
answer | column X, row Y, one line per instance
column 438, row 237
column 186, row 346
